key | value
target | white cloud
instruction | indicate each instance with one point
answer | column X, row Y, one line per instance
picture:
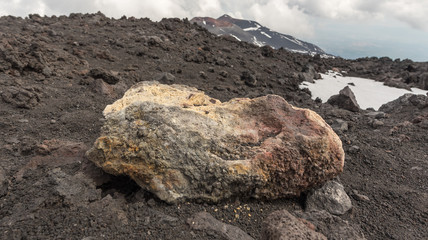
column 411, row 12
column 154, row 9
column 280, row 17
column 288, row 16
column 275, row 14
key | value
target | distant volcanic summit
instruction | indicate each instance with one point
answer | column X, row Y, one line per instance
column 253, row 32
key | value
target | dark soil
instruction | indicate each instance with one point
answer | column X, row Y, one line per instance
column 57, row 75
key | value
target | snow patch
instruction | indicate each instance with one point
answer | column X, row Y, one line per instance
column 299, row 51
column 235, row 37
column 205, row 23
column 292, row 40
column 267, row 35
column 369, row 93
column 257, row 42
column 251, row 29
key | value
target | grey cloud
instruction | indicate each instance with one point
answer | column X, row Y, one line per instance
column 289, row 16
column 273, row 13
column 71, row 6
column 411, row 12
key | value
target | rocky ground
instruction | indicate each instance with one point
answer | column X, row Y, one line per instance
column 57, row 75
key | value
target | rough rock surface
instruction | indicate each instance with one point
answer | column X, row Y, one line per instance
column 407, row 100
column 77, row 189
column 179, row 143
column 205, row 221
column 333, row 227
column 330, row 197
column 3, row 184
column 22, row 97
column 105, row 75
column 282, row 225
column 345, row 99
column 339, row 125
column 54, row 153
column 413, row 74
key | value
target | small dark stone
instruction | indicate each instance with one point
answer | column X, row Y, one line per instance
column 3, row 183
column 282, row 225
column 151, row 202
column 377, row 123
column 340, row 125
column 359, row 197
column 224, row 74
column 354, row 149
column 221, row 62
column 345, row 99
column 206, row 222
column 267, row 51
column 249, row 79
column 164, row 77
column 333, row 227
column 330, row 197
column 105, row 75
column 203, row 75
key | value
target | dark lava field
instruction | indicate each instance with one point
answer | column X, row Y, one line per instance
column 57, row 74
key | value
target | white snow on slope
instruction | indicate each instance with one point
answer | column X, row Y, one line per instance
column 235, row 37
column 299, row 51
column 251, row 28
column 292, row 40
column 369, row 93
column 257, row 42
column 266, row 34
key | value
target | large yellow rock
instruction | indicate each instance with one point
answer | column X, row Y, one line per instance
column 180, row 144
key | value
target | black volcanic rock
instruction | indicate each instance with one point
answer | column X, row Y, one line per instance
column 403, row 73
column 345, row 99
column 105, row 75
column 255, row 33
column 406, row 102
column 249, row 79
column 423, row 81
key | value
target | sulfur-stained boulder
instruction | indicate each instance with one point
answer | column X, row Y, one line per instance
column 181, row 144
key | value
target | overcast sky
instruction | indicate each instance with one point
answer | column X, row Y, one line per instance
column 348, row 28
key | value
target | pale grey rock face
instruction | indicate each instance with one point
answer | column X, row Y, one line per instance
column 3, row 182
column 282, row 225
column 181, row 144
column 333, row 227
column 330, row 197
column 205, row 221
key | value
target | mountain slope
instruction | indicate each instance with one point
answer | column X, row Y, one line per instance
column 255, row 33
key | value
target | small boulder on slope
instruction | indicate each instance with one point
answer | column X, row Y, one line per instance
column 181, row 144
column 345, row 99
column 330, row 197
column 282, row 225
column 206, row 222
column 333, row 227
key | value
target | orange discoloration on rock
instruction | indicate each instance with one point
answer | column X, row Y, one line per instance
column 239, row 169
column 176, row 142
